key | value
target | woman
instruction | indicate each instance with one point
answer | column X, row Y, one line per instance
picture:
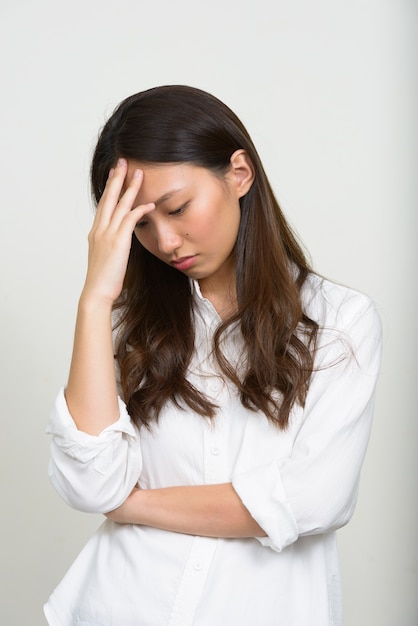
column 247, row 385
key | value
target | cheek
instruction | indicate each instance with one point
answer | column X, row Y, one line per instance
column 220, row 224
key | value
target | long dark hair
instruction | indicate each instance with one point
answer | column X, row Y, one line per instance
column 179, row 124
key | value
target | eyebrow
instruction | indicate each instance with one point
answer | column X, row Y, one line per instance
column 167, row 196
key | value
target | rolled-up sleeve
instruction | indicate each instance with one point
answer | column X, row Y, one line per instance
column 91, row 473
column 314, row 488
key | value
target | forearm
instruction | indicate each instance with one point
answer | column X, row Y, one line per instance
column 205, row 510
column 91, row 392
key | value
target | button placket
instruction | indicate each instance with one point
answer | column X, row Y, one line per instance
column 214, row 452
column 193, row 581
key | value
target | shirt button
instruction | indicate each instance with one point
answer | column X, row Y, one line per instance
column 215, row 451
column 197, row 567
column 215, row 386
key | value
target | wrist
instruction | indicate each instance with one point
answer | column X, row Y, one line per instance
column 90, row 302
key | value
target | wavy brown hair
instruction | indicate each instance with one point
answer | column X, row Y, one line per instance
column 179, row 124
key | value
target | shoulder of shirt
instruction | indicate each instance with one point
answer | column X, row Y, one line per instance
column 328, row 302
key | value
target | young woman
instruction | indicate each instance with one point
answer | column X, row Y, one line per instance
column 220, row 394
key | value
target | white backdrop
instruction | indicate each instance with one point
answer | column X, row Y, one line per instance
column 328, row 91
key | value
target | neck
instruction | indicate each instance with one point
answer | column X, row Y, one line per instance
column 220, row 290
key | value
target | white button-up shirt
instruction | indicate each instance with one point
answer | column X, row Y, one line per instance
column 300, row 485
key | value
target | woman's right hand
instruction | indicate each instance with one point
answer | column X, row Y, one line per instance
column 111, row 234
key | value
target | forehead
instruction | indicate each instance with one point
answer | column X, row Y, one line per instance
column 165, row 180
column 160, row 170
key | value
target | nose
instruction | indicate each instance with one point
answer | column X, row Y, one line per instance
column 167, row 240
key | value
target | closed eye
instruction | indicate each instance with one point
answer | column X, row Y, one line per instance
column 180, row 210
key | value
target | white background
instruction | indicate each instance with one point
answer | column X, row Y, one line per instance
column 328, row 90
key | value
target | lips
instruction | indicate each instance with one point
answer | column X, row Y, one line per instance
column 184, row 263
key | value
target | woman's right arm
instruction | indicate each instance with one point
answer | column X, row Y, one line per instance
column 95, row 450
column 91, row 393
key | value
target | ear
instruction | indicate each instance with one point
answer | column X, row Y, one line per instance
column 241, row 172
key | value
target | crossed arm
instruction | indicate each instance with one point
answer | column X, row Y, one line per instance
column 205, row 510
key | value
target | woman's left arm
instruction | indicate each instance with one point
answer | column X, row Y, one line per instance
column 314, row 489
column 205, row 510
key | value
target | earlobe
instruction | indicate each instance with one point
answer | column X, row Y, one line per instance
column 242, row 171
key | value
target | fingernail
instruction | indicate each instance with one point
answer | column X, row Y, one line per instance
column 121, row 162
column 111, row 172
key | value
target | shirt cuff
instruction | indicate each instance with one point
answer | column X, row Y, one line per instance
column 82, row 446
column 268, row 506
